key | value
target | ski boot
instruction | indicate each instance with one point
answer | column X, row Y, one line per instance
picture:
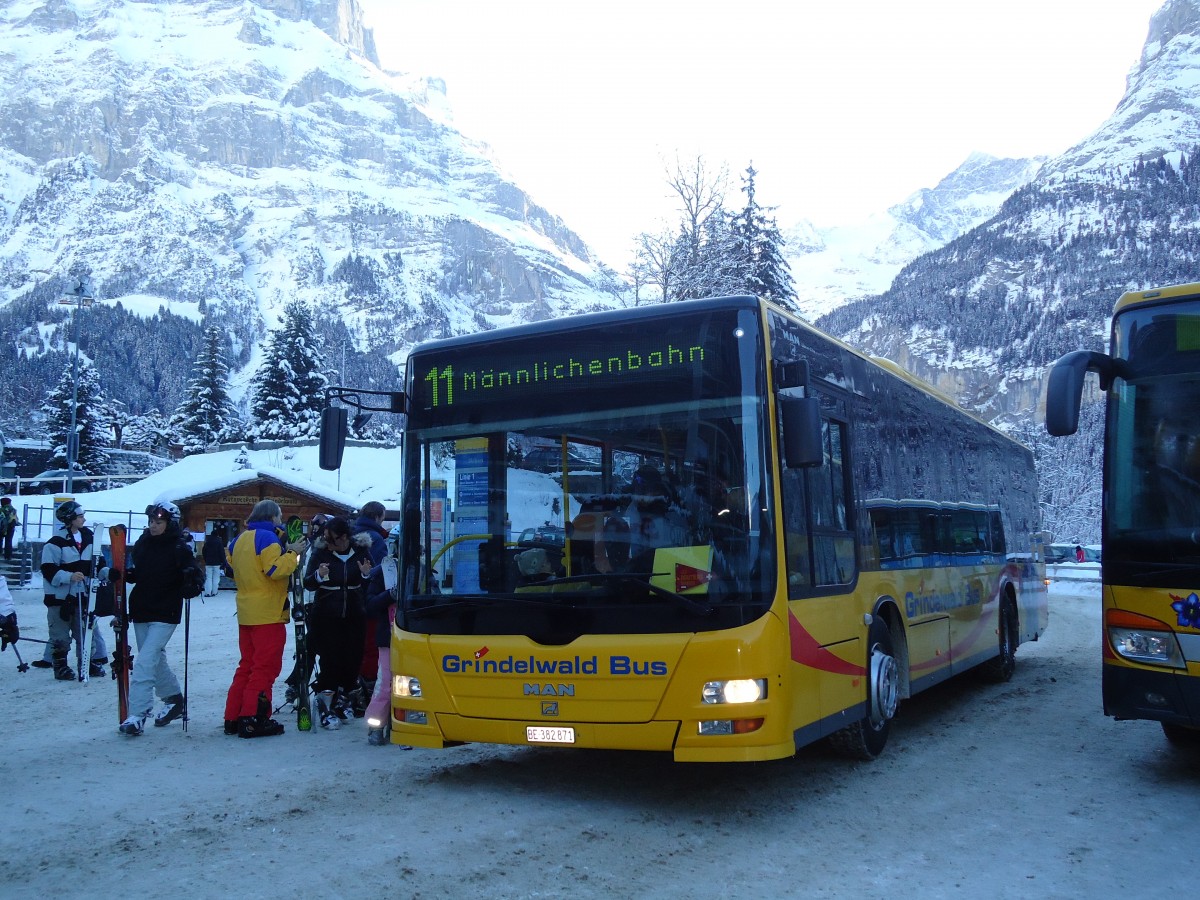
column 260, row 725
column 173, row 709
column 325, row 711
column 62, row 671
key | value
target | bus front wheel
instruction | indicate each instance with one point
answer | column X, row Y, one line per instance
column 867, row 737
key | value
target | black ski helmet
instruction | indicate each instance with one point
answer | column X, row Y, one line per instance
column 68, row 510
column 164, row 509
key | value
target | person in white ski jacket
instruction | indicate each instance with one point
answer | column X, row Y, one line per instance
column 66, row 569
column 10, row 633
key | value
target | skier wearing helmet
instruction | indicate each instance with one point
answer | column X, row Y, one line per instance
column 66, row 567
column 163, row 571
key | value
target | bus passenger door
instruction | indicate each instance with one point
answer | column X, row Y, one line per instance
column 819, row 547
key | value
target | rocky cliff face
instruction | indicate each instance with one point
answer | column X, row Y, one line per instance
column 243, row 152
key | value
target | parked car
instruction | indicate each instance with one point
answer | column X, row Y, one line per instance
column 543, row 534
column 53, row 481
column 1060, row 553
column 549, row 459
column 1065, row 553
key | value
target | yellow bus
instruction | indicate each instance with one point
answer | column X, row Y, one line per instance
column 703, row 528
column 1150, row 549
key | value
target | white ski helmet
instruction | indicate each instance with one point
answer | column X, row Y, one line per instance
column 164, row 509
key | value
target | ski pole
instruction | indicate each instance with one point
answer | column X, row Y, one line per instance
column 22, row 666
column 82, row 673
column 187, row 628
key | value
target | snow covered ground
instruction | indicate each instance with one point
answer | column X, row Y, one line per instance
column 1012, row 791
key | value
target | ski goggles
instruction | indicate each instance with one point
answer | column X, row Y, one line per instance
column 157, row 512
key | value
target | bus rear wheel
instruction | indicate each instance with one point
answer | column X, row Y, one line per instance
column 1001, row 667
column 867, row 737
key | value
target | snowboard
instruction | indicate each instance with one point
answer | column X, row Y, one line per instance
column 303, row 669
column 122, row 659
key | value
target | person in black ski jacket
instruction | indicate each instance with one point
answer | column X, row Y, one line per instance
column 163, row 571
column 338, row 568
column 369, row 522
column 215, row 561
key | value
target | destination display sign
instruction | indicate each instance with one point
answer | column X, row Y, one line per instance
column 689, row 357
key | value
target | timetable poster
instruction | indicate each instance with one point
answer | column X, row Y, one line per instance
column 470, row 508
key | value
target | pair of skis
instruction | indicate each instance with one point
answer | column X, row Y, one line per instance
column 85, row 611
column 304, row 656
column 122, row 659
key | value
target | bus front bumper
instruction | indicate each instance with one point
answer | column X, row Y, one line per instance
column 1159, row 696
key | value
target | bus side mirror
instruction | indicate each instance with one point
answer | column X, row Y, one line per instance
column 1064, row 389
column 333, row 437
column 802, row 445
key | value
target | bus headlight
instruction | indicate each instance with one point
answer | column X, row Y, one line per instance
column 737, row 690
column 406, row 686
column 1142, row 639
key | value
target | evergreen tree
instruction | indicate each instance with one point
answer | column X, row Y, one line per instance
column 149, row 432
column 288, row 391
column 207, row 417
column 759, row 247
column 91, row 422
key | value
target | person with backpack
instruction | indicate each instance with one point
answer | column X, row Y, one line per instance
column 164, row 573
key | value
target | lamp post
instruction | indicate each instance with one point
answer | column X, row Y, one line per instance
column 82, row 297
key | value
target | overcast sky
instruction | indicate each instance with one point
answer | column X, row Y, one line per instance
column 844, row 108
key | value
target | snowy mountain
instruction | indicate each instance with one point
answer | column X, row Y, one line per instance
column 834, row 265
column 218, row 157
column 982, row 316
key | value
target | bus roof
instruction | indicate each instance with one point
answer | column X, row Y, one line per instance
column 1172, row 292
column 571, row 323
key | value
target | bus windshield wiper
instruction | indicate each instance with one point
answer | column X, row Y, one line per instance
column 473, row 601
column 642, row 580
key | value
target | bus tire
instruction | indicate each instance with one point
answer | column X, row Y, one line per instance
column 1000, row 668
column 867, row 737
column 1181, row 735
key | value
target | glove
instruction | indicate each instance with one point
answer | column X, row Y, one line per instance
column 9, row 632
column 66, row 612
column 114, row 574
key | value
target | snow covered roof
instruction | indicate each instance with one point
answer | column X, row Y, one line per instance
column 367, row 473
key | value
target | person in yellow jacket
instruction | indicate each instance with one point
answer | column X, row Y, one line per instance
column 262, row 565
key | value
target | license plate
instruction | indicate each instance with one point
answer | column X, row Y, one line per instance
column 538, row 734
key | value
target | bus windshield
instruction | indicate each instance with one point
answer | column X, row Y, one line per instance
column 1152, row 505
column 608, row 488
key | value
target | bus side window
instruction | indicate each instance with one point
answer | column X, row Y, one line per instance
column 998, row 544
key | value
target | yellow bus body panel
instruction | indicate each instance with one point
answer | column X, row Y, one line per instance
column 630, row 692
